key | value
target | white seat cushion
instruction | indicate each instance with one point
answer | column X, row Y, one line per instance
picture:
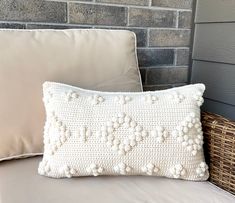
column 19, row 182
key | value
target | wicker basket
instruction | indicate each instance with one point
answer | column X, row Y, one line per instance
column 220, row 150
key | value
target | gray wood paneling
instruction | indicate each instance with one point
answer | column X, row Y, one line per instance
column 214, row 54
column 225, row 110
column 218, row 78
column 215, row 11
column 215, row 42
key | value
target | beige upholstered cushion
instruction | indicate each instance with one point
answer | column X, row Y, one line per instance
column 94, row 59
column 20, row 183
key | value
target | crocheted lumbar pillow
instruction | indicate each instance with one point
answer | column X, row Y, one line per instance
column 104, row 133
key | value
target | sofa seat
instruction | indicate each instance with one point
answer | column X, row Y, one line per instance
column 19, row 182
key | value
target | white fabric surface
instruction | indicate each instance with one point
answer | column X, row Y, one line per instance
column 20, row 183
column 123, row 133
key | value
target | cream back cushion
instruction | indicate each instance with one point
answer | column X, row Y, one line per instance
column 94, row 59
column 98, row 133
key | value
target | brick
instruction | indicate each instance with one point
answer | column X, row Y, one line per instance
column 156, row 87
column 179, row 84
column 167, row 75
column 12, row 25
column 182, row 57
column 143, row 75
column 154, row 57
column 141, row 34
column 169, row 37
column 58, row 26
column 142, row 17
column 72, row 0
column 161, row 87
column 185, row 19
column 33, row 11
column 129, row 2
column 183, row 4
column 97, row 14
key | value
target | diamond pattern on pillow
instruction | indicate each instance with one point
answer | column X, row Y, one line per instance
column 105, row 133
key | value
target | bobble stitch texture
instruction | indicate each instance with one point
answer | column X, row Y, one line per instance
column 67, row 171
column 64, row 134
column 94, row 169
column 192, row 144
column 175, row 96
column 150, row 169
column 122, row 99
column 44, row 168
column 128, row 136
column 96, row 99
column 84, row 133
column 71, row 95
column 178, row 171
column 122, row 169
column 149, row 99
column 47, row 97
column 106, row 133
column 201, row 170
column 160, row 133
column 198, row 97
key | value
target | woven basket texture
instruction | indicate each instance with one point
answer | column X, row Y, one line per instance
column 219, row 135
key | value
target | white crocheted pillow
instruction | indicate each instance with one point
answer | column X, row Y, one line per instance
column 104, row 133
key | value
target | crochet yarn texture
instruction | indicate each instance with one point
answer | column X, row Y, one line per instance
column 118, row 133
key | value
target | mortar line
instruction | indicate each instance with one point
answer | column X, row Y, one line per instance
column 128, row 16
column 68, row 16
column 148, row 35
column 175, row 57
column 177, row 19
column 125, row 5
column 98, row 26
column 171, row 47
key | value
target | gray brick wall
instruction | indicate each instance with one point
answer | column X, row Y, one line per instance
column 163, row 29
